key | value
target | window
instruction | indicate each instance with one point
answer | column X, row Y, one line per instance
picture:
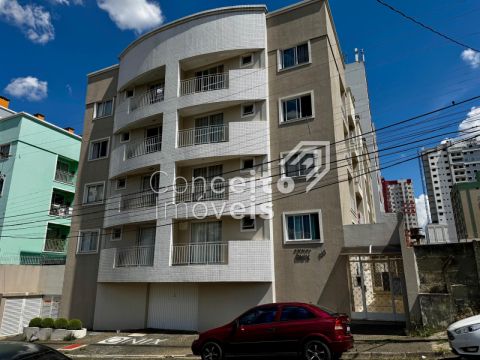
column 103, row 109
column 129, row 93
column 116, row 234
column 98, row 149
column 121, row 183
column 294, row 56
column 263, row 315
column 247, row 164
column 246, row 60
column 302, row 227
column 2, row 184
column 295, row 313
column 4, row 151
column 296, row 108
column 299, row 165
column 125, row 137
column 93, row 193
column 248, row 110
column 88, row 241
column 248, row 223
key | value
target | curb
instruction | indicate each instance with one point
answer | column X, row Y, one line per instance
column 146, row 357
column 391, row 355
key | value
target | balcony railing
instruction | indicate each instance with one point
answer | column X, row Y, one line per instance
column 134, row 256
column 200, row 254
column 201, row 191
column 150, row 97
column 204, row 83
column 202, row 135
column 65, row 177
column 60, row 210
column 147, row 146
column 55, row 245
column 143, row 199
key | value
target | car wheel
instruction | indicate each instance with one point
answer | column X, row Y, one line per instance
column 212, row 351
column 316, row 350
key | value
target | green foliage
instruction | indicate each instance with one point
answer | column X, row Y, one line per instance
column 69, row 337
column 47, row 323
column 74, row 324
column 61, row 323
column 35, row 322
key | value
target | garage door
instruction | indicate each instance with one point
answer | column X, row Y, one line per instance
column 173, row 307
column 17, row 313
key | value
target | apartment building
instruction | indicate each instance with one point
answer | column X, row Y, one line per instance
column 443, row 167
column 31, row 145
column 356, row 77
column 466, row 209
column 193, row 110
column 400, row 198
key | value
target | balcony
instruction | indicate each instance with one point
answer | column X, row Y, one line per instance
column 140, row 200
column 147, row 146
column 148, row 98
column 200, row 254
column 201, row 191
column 65, row 177
column 55, row 245
column 61, row 210
column 134, row 256
column 204, row 83
column 202, row 135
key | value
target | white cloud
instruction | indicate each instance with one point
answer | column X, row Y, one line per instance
column 422, row 211
column 471, row 124
column 137, row 15
column 69, row 89
column 28, row 87
column 472, row 58
column 33, row 20
column 67, row 2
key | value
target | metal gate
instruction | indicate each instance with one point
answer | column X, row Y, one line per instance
column 17, row 313
column 377, row 284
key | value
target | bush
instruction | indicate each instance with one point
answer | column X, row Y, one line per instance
column 47, row 323
column 35, row 322
column 61, row 323
column 74, row 324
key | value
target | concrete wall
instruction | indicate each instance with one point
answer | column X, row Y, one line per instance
column 21, row 279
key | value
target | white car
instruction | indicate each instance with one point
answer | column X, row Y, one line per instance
column 464, row 337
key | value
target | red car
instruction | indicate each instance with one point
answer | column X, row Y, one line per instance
column 305, row 330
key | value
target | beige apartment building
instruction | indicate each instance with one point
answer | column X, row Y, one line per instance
column 194, row 185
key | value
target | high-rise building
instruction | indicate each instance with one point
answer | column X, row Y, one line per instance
column 193, row 110
column 466, row 209
column 400, row 198
column 444, row 166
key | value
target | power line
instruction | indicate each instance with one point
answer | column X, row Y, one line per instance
column 427, row 27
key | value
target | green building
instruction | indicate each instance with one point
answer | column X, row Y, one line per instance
column 466, row 209
column 38, row 166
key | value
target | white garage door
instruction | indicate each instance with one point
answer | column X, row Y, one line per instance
column 17, row 313
column 173, row 307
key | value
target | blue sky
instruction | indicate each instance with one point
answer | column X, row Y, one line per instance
column 410, row 70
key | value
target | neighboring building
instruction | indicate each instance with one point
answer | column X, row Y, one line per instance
column 443, row 167
column 37, row 185
column 466, row 209
column 356, row 76
column 400, row 198
column 4, row 110
column 437, row 234
column 230, row 92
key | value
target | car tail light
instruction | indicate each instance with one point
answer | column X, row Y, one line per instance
column 339, row 327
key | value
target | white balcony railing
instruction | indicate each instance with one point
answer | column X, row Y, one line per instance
column 55, row 245
column 204, row 83
column 60, row 210
column 200, row 254
column 202, row 135
column 201, row 191
column 147, row 146
column 150, row 97
column 64, row 176
column 134, row 256
column 144, row 199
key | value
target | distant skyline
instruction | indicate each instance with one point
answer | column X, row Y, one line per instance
column 49, row 46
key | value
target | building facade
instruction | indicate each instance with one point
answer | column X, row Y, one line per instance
column 443, row 167
column 466, row 209
column 194, row 180
column 400, row 198
column 37, row 185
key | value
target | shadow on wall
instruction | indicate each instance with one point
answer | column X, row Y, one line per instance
column 336, row 293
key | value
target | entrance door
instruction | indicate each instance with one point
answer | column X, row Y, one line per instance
column 153, row 140
column 377, row 288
